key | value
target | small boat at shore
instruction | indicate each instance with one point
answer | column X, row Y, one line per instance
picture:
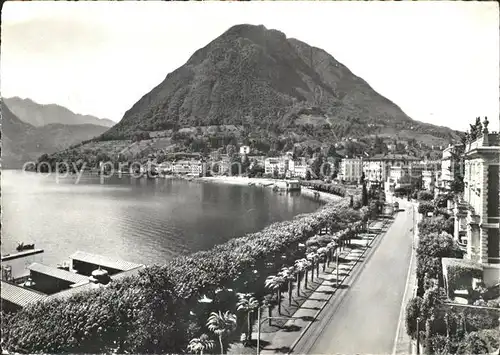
column 21, row 246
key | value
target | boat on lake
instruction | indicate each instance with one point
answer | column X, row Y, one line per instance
column 21, row 246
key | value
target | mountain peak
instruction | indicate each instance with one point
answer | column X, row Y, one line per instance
column 254, row 76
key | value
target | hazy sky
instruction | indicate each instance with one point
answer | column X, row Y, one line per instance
column 439, row 61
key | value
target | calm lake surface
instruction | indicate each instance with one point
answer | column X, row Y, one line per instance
column 139, row 220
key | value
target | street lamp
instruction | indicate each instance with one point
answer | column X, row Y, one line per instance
column 337, row 267
column 418, row 335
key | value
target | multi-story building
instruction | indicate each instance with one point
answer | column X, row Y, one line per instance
column 481, row 192
column 429, row 180
column 377, row 168
column 188, row 167
column 450, row 165
column 278, row 165
column 351, row 169
column 297, row 169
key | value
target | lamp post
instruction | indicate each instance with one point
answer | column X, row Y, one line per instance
column 337, row 268
column 418, row 335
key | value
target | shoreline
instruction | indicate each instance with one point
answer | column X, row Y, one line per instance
column 265, row 182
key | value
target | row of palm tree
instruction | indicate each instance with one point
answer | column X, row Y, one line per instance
column 311, row 262
column 222, row 324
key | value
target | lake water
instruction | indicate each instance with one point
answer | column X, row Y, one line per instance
column 139, row 220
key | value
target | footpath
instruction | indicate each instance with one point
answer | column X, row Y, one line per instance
column 281, row 335
column 403, row 343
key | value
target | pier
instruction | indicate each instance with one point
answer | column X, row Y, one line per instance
column 21, row 254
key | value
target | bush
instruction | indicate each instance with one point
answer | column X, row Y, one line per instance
column 425, row 207
column 435, row 225
column 413, row 311
column 425, row 196
column 321, row 186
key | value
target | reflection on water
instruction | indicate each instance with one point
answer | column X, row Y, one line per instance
column 140, row 220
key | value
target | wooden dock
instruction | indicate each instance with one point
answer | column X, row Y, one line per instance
column 21, row 254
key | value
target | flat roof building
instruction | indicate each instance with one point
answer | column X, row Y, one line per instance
column 84, row 263
column 16, row 297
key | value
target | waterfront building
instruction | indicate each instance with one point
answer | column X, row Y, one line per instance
column 351, row 169
column 49, row 280
column 377, row 168
column 297, row 169
column 188, row 167
column 86, row 271
column 288, row 185
column 165, row 167
column 278, row 165
column 84, row 263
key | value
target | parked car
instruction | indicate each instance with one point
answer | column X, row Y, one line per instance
column 396, row 206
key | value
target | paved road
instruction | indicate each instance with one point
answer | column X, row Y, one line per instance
column 364, row 317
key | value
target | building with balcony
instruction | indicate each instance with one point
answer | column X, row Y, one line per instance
column 297, row 169
column 277, row 165
column 351, row 169
column 377, row 168
column 481, row 194
column 450, row 165
column 188, row 167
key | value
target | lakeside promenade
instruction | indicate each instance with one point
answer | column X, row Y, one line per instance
column 363, row 315
column 264, row 182
column 309, row 309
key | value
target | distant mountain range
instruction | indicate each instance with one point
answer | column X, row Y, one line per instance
column 39, row 115
column 255, row 77
column 23, row 142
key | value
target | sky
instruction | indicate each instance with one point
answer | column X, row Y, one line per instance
column 439, row 61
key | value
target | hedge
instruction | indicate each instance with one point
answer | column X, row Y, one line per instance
column 425, row 196
column 425, row 207
column 324, row 187
column 158, row 310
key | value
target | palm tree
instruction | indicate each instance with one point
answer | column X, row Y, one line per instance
column 288, row 273
column 269, row 301
column 322, row 254
column 313, row 258
column 299, row 267
column 221, row 325
column 247, row 303
column 276, row 283
column 307, row 265
column 200, row 344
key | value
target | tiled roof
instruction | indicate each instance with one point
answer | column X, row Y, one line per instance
column 19, row 295
column 104, row 261
column 57, row 273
